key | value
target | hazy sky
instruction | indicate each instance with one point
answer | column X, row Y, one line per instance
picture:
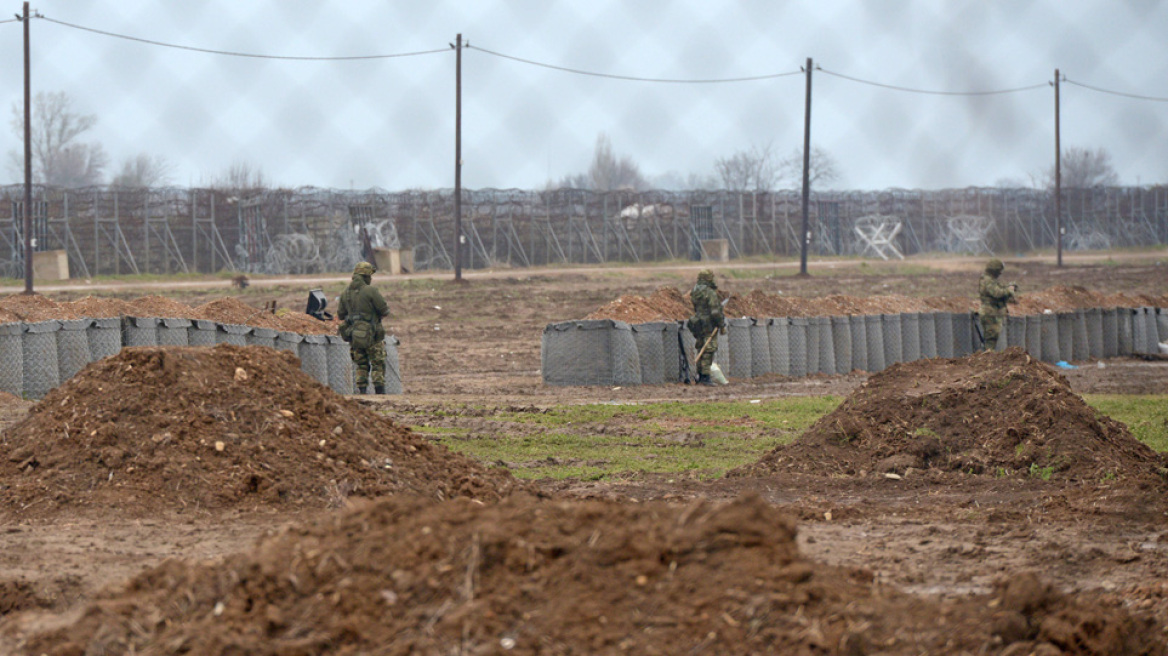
column 389, row 123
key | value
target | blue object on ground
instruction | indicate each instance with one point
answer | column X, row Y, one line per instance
column 1063, row 364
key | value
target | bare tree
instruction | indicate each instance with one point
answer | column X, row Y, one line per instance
column 1084, row 168
column 756, row 169
column 607, row 172
column 823, row 168
column 241, row 176
column 143, row 171
column 59, row 158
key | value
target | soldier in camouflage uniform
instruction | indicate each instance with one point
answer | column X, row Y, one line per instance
column 707, row 320
column 994, row 297
column 360, row 302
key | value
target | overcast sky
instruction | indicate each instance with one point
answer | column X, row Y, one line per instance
column 389, row 123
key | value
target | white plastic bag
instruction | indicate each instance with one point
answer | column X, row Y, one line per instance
column 717, row 376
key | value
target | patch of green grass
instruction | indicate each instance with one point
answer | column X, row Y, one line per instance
column 599, row 441
column 1146, row 416
column 925, row 431
column 1041, row 472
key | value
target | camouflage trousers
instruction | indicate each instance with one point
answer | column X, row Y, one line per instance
column 370, row 364
column 707, row 358
column 991, row 329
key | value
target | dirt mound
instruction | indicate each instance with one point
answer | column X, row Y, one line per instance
column 665, row 304
column 233, row 310
column 155, row 429
column 998, row 414
column 405, row 575
column 668, row 304
column 31, row 308
column 1061, row 298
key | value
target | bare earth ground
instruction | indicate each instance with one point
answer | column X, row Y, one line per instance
column 477, row 344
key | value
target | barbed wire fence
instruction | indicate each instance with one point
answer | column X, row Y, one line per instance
column 305, row 231
column 112, row 231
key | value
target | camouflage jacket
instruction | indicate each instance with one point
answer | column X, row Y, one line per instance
column 994, row 296
column 707, row 307
column 361, row 301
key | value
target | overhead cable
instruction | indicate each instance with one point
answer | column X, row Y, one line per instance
column 632, row 78
column 241, row 54
column 1115, row 93
column 933, row 93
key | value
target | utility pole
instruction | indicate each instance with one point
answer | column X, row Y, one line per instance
column 27, row 162
column 806, row 175
column 1058, row 174
column 458, row 238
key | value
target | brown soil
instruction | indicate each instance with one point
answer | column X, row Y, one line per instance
column 939, row 536
column 998, row 414
column 669, row 304
column 31, row 308
column 19, row 307
column 232, row 310
column 155, row 429
column 406, row 575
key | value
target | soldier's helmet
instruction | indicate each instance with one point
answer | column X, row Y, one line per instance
column 994, row 267
column 363, row 268
column 706, row 276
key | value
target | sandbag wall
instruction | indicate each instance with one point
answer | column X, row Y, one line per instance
column 608, row 352
column 36, row 357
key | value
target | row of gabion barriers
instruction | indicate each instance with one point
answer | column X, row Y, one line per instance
column 36, row 357
column 608, row 352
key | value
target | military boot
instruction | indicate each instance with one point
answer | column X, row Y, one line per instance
column 704, row 379
column 379, row 389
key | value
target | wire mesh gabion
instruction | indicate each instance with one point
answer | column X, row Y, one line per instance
column 39, row 353
column 779, row 336
column 738, row 336
column 140, row 331
column 12, row 357
column 393, row 375
column 893, row 339
column 760, row 349
column 799, row 347
column 340, row 365
column 202, row 333
column 650, row 353
column 859, row 334
column 104, row 337
column 841, row 339
column 314, row 357
column 927, row 329
column 910, row 336
column 72, row 347
column 232, row 333
column 262, row 337
column 589, row 352
column 174, row 332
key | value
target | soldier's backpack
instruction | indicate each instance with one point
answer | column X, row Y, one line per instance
column 345, row 330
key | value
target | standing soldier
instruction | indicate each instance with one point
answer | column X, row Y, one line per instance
column 361, row 309
column 706, row 321
column 994, row 297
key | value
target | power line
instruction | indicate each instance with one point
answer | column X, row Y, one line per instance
column 634, row 78
column 10, row 20
column 934, row 93
column 239, row 54
column 1115, row 93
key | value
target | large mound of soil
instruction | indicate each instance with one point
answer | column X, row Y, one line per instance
column 34, row 307
column 226, row 427
column 405, row 575
column 669, row 304
column 998, row 414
